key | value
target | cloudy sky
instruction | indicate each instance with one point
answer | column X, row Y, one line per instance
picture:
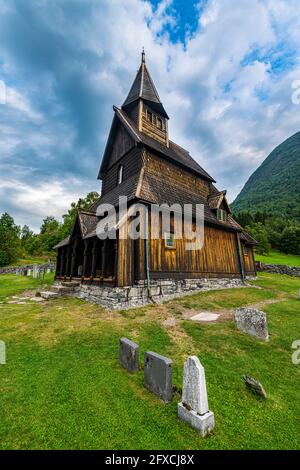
column 224, row 70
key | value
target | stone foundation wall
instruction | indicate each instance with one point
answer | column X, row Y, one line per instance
column 121, row 298
column 278, row 269
column 23, row 268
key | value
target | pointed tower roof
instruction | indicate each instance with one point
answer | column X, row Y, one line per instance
column 143, row 88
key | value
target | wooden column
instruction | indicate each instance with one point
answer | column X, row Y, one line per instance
column 94, row 258
column 104, row 252
column 68, row 266
column 241, row 261
column 73, row 263
column 63, row 261
column 58, row 263
column 116, row 261
column 85, row 257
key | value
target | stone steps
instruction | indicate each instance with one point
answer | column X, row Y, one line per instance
column 61, row 290
column 49, row 295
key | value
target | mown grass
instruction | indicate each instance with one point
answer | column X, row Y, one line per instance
column 63, row 388
column 11, row 284
column 275, row 257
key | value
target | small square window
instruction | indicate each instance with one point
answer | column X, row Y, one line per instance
column 169, row 240
column 159, row 124
column 149, row 116
column 222, row 215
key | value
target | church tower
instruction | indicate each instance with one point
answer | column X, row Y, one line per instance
column 144, row 107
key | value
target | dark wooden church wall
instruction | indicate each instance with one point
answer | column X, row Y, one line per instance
column 122, row 143
column 131, row 164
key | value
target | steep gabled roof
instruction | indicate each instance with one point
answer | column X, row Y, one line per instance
column 143, row 88
column 216, row 199
column 174, row 152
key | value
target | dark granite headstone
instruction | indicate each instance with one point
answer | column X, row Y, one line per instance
column 158, row 375
column 129, row 355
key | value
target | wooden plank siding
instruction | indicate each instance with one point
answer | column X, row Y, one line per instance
column 217, row 258
column 249, row 262
column 131, row 164
column 151, row 129
column 125, row 263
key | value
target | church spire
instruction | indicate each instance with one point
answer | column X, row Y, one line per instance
column 143, row 88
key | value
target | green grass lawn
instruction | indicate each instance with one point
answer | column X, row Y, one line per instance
column 275, row 257
column 63, row 388
column 41, row 259
column 11, row 284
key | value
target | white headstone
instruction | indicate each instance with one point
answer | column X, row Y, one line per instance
column 194, row 394
column 35, row 271
column 193, row 408
column 29, row 272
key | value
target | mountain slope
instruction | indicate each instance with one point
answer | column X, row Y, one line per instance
column 275, row 185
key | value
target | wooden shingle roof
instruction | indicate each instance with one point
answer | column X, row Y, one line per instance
column 174, row 152
column 143, row 88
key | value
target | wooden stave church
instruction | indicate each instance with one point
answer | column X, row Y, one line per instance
column 142, row 163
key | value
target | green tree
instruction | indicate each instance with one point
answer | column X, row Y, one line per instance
column 290, row 240
column 27, row 237
column 244, row 218
column 259, row 232
column 10, row 244
column 69, row 218
column 49, row 233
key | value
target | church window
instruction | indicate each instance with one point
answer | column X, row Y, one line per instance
column 169, row 240
column 159, row 124
column 149, row 116
column 222, row 215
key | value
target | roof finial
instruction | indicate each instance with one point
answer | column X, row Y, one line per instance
column 143, row 56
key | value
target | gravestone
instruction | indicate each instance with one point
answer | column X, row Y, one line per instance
column 255, row 386
column 129, row 355
column 35, row 271
column 2, row 353
column 158, row 375
column 253, row 322
column 29, row 272
column 193, row 408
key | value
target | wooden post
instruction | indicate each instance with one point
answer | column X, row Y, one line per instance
column 63, row 261
column 241, row 261
column 104, row 250
column 94, row 259
column 58, row 263
column 68, row 266
column 74, row 253
column 85, row 257
column 116, row 262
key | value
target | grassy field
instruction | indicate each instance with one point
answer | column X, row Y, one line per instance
column 63, row 388
column 35, row 259
column 275, row 257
